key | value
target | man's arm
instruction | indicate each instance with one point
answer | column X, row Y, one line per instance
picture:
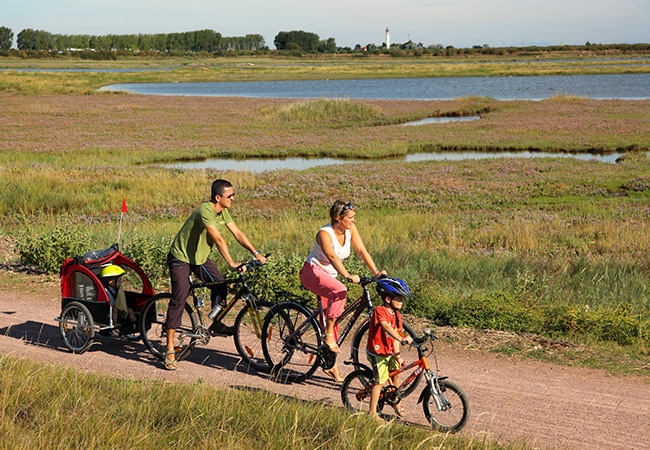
column 221, row 244
column 244, row 242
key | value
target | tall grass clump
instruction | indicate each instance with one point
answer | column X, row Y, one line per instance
column 337, row 111
column 49, row 407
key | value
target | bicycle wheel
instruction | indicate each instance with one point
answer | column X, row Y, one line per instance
column 455, row 412
column 355, row 390
column 248, row 335
column 77, row 327
column 290, row 342
column 154, row 330
column 360, row 342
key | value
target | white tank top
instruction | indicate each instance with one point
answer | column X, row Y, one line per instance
column 319, row 258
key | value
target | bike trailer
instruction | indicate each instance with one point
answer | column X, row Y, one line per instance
column 80, row 282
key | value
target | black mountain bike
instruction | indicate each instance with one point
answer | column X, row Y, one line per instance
column 192, row 331
column 292, row 335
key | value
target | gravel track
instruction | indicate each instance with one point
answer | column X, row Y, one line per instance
column 513, row 399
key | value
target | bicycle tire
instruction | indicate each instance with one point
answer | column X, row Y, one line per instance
column 153, row 330
column 291, row 358
column 356, row 389
column 77, row 327
column 248, row 335
column 360, row 341
column 452, row 419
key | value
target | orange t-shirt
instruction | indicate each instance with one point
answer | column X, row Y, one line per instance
column 379, row 342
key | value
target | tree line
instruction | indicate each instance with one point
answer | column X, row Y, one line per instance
column 294, row 42
column 190, row 41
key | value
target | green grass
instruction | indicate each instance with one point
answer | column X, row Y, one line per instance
column 48, row 407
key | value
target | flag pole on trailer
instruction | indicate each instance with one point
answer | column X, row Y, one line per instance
column 124, row 210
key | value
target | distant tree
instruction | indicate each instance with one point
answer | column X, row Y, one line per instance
column 254, row 42
column 6, row 38
column 206, row 41
column 306, row 41
column 328, row 46
column 29, row 39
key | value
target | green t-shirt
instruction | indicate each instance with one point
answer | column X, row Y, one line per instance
column 192, row 243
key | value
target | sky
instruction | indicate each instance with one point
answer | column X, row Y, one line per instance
column 460, row 23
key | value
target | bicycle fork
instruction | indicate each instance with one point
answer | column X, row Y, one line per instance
column 434, row 386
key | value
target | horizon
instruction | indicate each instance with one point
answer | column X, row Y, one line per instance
column 461, row 23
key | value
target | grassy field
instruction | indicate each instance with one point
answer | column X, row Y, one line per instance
column 558, row 247
column 53, row 408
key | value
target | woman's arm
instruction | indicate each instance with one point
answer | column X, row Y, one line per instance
column 360, row 248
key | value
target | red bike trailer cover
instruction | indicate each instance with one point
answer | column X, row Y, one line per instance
column 93, row 260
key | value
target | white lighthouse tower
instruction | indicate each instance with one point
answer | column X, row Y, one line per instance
column 387, row 38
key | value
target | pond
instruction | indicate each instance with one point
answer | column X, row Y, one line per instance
column 619, row 86
column 263, row 164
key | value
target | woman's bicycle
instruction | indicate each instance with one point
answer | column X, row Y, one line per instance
column 445, row 404
column 192, row 331
column 292, row 335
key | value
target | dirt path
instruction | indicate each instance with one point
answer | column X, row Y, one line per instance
column 512, row 399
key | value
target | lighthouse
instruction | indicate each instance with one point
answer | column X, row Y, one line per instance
column 387, row 38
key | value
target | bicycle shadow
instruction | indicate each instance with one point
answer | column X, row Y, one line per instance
column 45, row 335
column 230, row 360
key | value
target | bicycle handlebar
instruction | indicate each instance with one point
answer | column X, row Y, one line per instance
column 364, row 281
column 428, row 334
column 251, row 264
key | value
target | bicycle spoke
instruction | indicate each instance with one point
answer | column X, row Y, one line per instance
column 291, row 340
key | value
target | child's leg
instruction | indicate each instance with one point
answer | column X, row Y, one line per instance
column 374, row 398
column 380, row 373
column 131, row 314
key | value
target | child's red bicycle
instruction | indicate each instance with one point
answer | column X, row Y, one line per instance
column 445, row 404
column 85, row 306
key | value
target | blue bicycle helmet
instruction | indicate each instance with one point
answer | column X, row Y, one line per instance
column 390, row 287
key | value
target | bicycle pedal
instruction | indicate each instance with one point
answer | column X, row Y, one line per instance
column 326, row 357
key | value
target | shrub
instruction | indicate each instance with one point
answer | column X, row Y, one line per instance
column 48, row 249
column 150, row 253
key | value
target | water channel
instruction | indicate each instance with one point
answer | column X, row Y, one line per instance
column 263, row 164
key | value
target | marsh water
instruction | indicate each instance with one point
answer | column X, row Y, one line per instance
column 618, row 86
column 264, row 164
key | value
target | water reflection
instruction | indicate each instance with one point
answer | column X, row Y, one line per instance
column 263, row 165
column 430, row 120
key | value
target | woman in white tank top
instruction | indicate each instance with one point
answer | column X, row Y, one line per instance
column 325, row 263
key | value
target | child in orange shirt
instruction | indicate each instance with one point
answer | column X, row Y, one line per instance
column 385, row 336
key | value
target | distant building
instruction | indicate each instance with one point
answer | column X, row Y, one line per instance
column 387, row 38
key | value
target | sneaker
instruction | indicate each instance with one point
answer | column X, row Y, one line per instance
column 219, row 329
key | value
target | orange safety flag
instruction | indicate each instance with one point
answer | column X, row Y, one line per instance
column 124, row 208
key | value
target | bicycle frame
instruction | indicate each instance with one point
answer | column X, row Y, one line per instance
column 422, row 366
column 362, row 303
column 243, row 292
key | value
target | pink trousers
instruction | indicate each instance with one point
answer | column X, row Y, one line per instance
column 331, row 291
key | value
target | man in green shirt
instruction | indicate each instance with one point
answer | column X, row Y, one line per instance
column 190, row 252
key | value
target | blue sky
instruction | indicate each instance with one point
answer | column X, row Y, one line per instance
column 461, row 23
